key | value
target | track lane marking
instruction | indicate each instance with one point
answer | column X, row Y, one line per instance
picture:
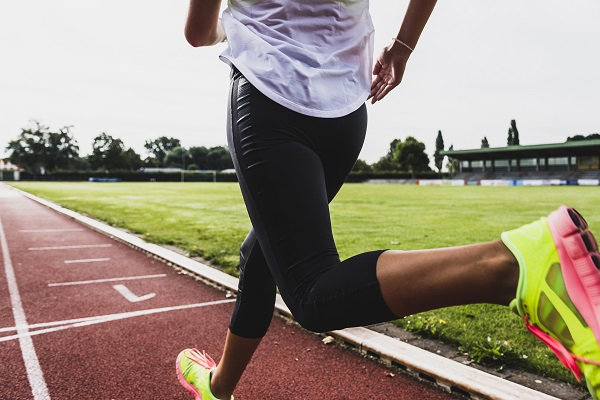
column 50, row 230
column 80, row 322
column 80, row 246
column 35, row 374
column 130, row 296
column 125, row 278
column 87, row 260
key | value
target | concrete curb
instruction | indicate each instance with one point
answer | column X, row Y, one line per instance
column 448, row 374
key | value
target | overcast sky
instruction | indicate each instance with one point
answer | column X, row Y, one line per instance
column 124, row 68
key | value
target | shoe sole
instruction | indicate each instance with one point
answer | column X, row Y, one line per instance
column 188, row 386
column 580, row 263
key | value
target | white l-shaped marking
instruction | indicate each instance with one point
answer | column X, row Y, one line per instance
column 129, row 295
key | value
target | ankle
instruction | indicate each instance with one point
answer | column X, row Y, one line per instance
column 217, row 388
column 508, row 273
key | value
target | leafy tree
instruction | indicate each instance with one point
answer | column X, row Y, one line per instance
column 198, row 157
column 513, row 125
column 575, row 138
column 178, row 158
column 384, row 165
column 484, row 143
column 62, row 149
column 361, row 166
column 218, row 158
column 510, row 140
column 81, row 164
column 392, row 149
column 149, row 162
column 38, row 148
column 438, row 159
column 387, row 162
column 133, row 159
column 411, row 156
column 581, row 137
column 160, row 147
column 108, row 153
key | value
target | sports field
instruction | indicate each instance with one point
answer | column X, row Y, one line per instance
column 209, row 220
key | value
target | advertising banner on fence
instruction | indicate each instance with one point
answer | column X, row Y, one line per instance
column 495, row 182
column 441, row 182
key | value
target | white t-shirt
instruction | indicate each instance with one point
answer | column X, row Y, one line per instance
column 314, row 57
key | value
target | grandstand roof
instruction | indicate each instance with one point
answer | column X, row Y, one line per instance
column 566, row 149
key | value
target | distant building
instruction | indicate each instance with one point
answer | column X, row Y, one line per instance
column 9, row 171
column 8, row 166
column 566, row 158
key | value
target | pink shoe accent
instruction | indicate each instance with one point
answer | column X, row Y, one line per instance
column 202, row 359
column 568, row 359
column 582, row 278
column 561, row 352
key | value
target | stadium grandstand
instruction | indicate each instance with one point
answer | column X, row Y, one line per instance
column 570, row 162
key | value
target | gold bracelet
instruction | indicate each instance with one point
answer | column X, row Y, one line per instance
column 404, row 44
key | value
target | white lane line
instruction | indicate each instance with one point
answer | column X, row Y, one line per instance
column 81, row 246
column 79, row 322
column 87, row 260
column 130, row 296
column 50, row 230
column 35, row 374
column 125, row 278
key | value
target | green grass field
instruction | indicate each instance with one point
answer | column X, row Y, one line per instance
column 209, row 220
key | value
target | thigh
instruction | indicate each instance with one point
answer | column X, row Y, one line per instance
column 338, row 144
column 284, row 187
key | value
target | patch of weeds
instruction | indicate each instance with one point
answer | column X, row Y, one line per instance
column 428, row 325
column 494, row 352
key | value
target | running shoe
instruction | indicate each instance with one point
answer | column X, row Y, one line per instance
column 558, row 294
column 193, row 371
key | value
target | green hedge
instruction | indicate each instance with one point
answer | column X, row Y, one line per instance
column 131, row 176
column 365, row 176
column 128, row 176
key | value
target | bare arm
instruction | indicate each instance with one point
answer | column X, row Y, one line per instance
column 389, row 67
column 203, row 26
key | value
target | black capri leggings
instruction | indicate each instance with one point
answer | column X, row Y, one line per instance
column 290, row 166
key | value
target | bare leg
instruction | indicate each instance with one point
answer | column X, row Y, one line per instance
column 236, row 355
column 411, row 282
column 416, row 281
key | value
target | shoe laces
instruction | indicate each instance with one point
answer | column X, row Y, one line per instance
column 201, row 359
column 568, row 359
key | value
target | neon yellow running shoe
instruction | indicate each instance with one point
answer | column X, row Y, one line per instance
column 193, row 371
column 559, row 289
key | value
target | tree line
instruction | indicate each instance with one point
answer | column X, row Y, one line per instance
column 39, row 149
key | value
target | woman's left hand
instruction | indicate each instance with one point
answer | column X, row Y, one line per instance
column 388, row 70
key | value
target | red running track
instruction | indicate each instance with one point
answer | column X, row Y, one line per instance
column 86, row 317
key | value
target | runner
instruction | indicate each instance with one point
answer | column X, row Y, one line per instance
column 301, row 72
